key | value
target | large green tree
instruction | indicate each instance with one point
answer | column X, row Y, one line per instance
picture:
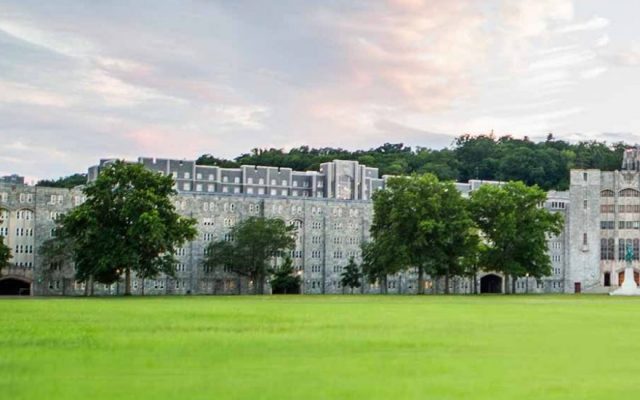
column 250, row 246
column 423, row 223
column 515, row 229
column 128, row 223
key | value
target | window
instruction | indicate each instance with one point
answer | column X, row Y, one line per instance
column 186, row 186
column 250, row 190
column 199, row 176
column 273, row 182
column 284, row 182
column 236, row 179
column 584, row 176
column 607, row 250
column 607, row 224
column 199, row 187
column 274, row 192
column 608, row 208
column 187, row 175
column 584, row 204
column 629, row 193
column 250, row 181
column 261, row 181
column 584, row 239
column 606, row 193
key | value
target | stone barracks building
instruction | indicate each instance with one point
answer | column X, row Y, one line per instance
column 332, row 210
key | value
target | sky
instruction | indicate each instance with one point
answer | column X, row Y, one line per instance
column 84, row 80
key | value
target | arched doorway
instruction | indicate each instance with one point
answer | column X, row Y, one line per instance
column 636, row 277
column 491, row 284
column 14, row 287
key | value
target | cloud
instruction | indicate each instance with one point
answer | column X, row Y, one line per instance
column 115, row 79
column 595, row 23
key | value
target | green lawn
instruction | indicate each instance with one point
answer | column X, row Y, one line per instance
column 313, row 347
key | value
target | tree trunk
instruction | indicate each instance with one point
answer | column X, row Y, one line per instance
column 86, row 288
column 142, row 286
column 513, row 284
column 91, row 285
column 475, row 282
column 446, row 282
column 259, row 282
column 420, row 280
column 506, row 283
column 127, row 281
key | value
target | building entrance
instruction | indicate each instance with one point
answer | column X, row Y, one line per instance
column 491, row 284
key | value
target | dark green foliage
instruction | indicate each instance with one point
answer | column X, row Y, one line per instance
column 351, row 275
column 515, row 228
column 419, row 222
column 128, row 223
column 5, row 253
column 545, row 163
column 67, row 182
column 284, row 280
column 256, row 241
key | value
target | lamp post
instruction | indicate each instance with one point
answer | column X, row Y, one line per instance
column 526, row 282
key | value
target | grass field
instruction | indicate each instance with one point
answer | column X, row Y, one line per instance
column 312, row 347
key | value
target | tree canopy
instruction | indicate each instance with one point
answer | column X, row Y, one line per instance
column 127, row 223
column 545, row 163
column 515, row 228
column 5, row 253
column 250, row 246
column 284, row 279
column 419, row 222
column 66, row 182
column 350, row 277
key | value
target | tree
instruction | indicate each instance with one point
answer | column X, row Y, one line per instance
column 128, row 223
column 5, row 254
column 419, row 222
column 249, row 247
column 351, row 275
column 66, row 182
column 515, row 228
column 284, row 279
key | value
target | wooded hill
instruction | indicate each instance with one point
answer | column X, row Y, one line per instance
column 545, row 163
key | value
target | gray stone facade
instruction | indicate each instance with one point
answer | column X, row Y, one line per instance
column 331, row 208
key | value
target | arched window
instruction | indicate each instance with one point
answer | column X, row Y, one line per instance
column 629, row 193
column 606, row 193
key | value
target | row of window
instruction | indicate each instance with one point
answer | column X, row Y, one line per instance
column 622, row 193
column 621, row 225
column 607, row 248
column 622, row 208
column 24, row 249
column 250, row 180
column 24, row 232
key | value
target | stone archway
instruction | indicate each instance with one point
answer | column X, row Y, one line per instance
column 491, row 283
column 14, row 287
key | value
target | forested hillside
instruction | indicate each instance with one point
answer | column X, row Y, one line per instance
column 545, row 163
